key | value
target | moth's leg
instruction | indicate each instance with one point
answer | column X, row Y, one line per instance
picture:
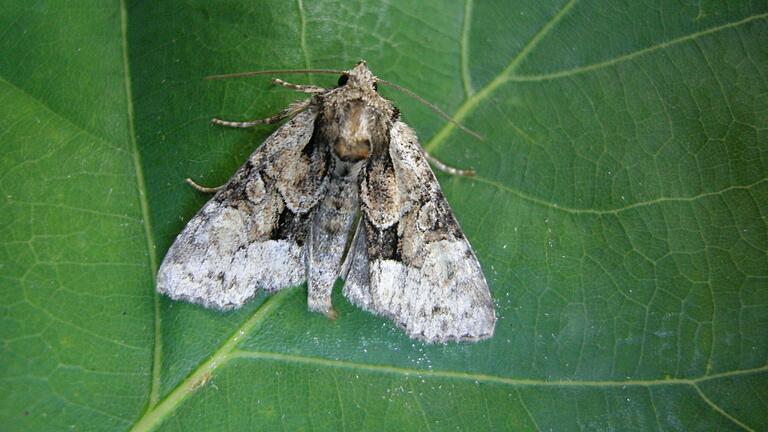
column 448, row 169
column 298, row 87
column 203, row 189
column 290, row 111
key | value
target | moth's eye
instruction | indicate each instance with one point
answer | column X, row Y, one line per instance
column 343, row 79
column 375, row 86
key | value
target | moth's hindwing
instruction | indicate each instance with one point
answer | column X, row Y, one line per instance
column 409, row 260
column 251, row 234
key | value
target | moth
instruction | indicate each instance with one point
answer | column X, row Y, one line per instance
column 344, row 165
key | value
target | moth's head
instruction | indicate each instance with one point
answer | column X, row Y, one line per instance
column 358, row 77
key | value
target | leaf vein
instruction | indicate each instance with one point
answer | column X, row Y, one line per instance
column 631, row 55
column 144, row 204
column 500, row 79
column 159, row 412
column 303, row 35
column 617, row 210
column 77, row 127
column 466, row 77
column 719, row 410
column 481, row 377
column 527, row 411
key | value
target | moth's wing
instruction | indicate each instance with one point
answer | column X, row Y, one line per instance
column 251, row 234
column 409, row 260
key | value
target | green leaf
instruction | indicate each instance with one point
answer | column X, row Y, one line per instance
column 619, row 213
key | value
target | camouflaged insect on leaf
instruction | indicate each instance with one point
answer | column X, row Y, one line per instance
column 286, row 215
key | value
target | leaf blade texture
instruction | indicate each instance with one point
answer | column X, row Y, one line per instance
column 619, row 213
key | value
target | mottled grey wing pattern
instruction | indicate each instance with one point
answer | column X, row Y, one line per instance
column 409, row 260
column 251, row 234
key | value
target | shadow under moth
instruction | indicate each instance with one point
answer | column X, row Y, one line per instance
column 343, row 164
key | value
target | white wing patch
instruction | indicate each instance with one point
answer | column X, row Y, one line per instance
column 221, row 267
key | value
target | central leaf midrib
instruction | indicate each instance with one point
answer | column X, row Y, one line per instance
column 469, row 104
column 507, row 75
column 155, row 414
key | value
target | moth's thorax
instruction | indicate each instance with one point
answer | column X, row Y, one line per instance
column 355, row 123
column 354, row 118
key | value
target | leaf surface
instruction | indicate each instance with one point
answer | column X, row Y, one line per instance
column 619, row 213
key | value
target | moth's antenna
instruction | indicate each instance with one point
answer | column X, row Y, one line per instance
column 275, row 72
column 437, row 110
column 403, row 90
